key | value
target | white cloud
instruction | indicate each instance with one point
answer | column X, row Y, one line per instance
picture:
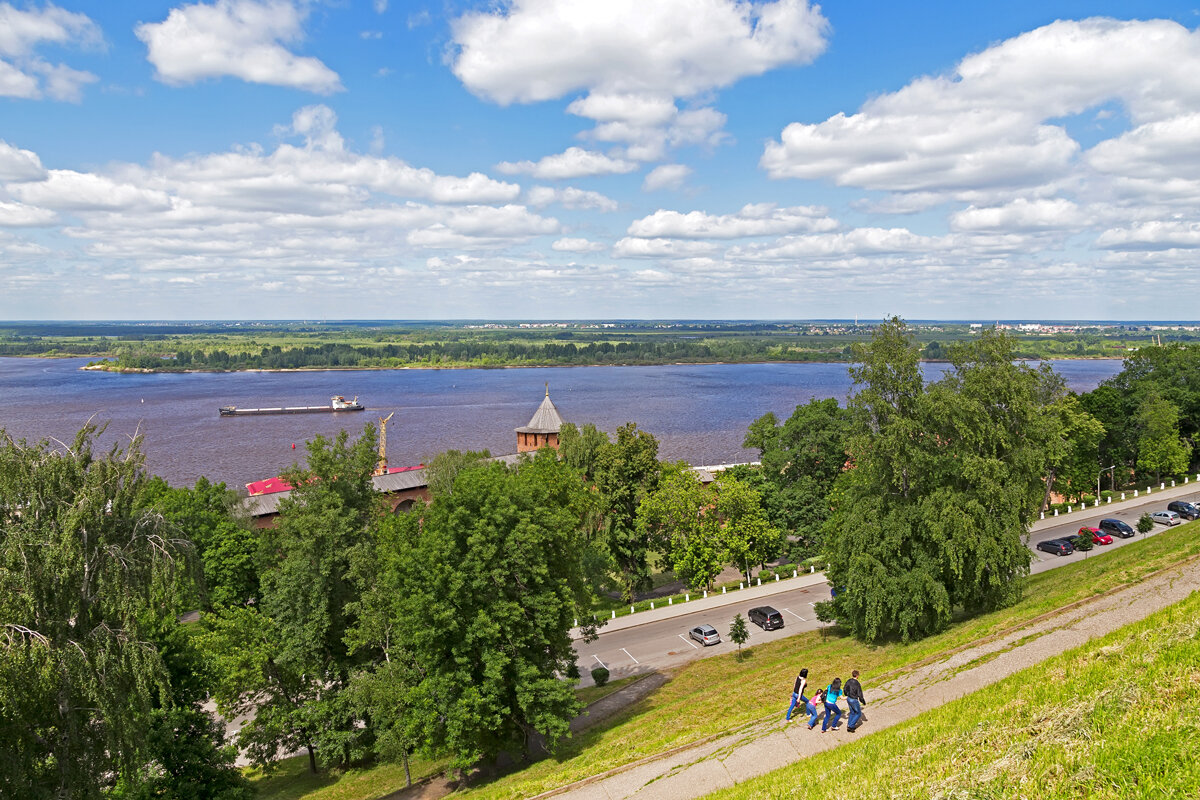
column 858, row 242
column 633, row 59
column 1156, row 235
column 756, row 219
column 380, row 6
column 666, row 176
column 23, row 73
column 569, row 197
column 569, row 245
column 630, row 247
column 532, row 50
column 992, row 123
column 239, row 38
column 66, row 190
column 1020, row 215
column 574, row 162
column 19, row 215
column 19, row 165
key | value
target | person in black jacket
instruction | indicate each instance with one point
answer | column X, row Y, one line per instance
column 855, row 699
column 798, row 693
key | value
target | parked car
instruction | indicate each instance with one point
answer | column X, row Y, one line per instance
column 766, row 618
column 1059, row 547
column 705, row 635
column 1184, row 509
column 1167, row 518
column 1097, row 536
column 1115, row 527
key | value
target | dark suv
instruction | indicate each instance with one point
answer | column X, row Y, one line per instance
column 1115, row 527
column 1183, row 509
column 766, row 618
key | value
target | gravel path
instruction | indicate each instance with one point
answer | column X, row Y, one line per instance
column 761, row 747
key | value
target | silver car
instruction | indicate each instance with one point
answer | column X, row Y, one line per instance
column 1167, row 518
column 705, row 635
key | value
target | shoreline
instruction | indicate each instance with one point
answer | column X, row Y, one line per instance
column 148, row 371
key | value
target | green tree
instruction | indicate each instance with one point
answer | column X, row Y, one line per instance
column 84, row 577
column 748, row 535
column 674, row 519
column 1074, row 450
column 225, row 543
column 1159, row 448
column 738, row 633
column 800, row 463
column 488, row 582
column 287, row 660
column 1145, row 523
column 946, row 480
column 624, row 472
column 762, row 433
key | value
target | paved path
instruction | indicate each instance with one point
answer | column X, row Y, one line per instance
column 761, row 747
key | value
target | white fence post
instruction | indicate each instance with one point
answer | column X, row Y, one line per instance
column 687, row 598
column 722, row 590
column 1043, row 515
column 631, row 609
column 670, row 601
column 793, row 573
column 651, row 605
column 1056, row 512
column 777, row 577
column 759, row 581
column 1068, row 509
column 739, row 584
column 1108, row 500
column 614, row 616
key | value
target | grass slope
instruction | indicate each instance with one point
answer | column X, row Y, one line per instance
column 1115, row 718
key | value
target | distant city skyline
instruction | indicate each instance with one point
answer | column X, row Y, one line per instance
column 571, row 160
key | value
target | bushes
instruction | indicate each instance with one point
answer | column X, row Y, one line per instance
column 1145, row 524
column 600, row 676
column 1088, row 499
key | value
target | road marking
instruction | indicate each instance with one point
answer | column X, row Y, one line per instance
column 814, row 605
column 626, row 652
column 794, row 614
column 689, row 641
column 598, row 661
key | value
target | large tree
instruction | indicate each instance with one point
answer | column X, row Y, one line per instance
column 800, row 461
column 482, row 589
column 945, row 481
column 1159, row 448
column 85, row 578
column 286, row 659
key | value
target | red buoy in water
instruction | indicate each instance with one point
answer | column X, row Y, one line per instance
column 293, row 445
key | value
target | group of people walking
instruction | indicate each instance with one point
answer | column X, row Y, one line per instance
column 826, row 700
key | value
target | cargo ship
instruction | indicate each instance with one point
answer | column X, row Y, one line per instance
column 336, row 403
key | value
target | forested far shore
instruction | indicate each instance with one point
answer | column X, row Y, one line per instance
column 164, row 348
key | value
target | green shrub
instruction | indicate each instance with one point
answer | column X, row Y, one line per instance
column 1106, row 494
column 1082, row 542
column 600, row 676
column 766, row 575
column 1088, row 499
column 1145, row 524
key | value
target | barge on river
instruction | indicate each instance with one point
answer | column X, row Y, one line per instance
column 337, row 403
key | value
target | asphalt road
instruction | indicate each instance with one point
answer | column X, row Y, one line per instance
column 665, row 643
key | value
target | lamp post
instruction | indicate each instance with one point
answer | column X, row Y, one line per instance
column 1098, row 476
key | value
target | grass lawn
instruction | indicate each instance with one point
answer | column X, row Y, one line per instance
column 733, row 694
column 292, row 780
column 1115, row 718
column 590, row 694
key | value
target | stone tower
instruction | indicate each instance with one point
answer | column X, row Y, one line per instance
column 542, row 430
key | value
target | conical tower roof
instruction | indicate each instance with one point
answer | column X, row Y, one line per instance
column 546, row 419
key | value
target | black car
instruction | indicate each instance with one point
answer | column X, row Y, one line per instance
column 1184, row 509
column 1059, row 547
column 766, row 618
column 1115, row 527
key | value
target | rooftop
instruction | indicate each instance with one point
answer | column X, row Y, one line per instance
column 546, row 419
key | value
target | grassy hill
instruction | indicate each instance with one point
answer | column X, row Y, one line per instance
column 1118, row 717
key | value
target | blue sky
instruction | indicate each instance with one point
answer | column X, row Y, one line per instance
column 569, row 159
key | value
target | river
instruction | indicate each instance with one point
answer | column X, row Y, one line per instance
column 698, row 412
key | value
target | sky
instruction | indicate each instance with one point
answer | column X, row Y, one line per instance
column 567, row 159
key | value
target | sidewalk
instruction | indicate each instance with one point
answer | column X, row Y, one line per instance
column 762, row 747
column 1192, row 487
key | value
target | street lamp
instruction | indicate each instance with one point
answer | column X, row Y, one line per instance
column 1101, row 473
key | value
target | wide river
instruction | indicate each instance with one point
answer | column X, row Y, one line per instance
column 698, row 412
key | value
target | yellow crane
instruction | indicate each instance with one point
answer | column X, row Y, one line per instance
column 381, row 468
